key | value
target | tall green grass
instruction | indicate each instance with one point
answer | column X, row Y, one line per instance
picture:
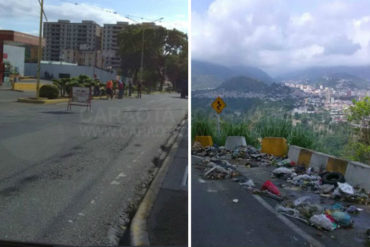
column 264, row 127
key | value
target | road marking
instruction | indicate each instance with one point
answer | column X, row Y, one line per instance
column 291, row 225
column 185, row 177
column 114, row 182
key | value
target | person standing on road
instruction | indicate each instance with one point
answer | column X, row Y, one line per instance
column 129, row 89
column 120, row 89
column 139, row 90
column 110, row 89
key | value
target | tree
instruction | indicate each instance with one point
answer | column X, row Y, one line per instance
column 359, row 115
column 160, row 45
column 61, row 84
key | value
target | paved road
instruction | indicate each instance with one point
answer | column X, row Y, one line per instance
column 217, row 221
column 168, row 221
column 65, row 177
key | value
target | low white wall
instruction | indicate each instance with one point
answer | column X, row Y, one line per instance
column 358, row 174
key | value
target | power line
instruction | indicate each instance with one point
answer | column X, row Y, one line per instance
column 43, row 12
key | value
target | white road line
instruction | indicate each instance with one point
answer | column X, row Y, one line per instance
column 291, row 225
column 114, row 182
column 185, row 177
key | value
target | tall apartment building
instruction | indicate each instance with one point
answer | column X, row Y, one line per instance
column 64, row 35
column 110, row 45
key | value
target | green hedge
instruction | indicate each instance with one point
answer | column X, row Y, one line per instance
column 49, row 91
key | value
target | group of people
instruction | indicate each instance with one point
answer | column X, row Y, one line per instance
column 112, row 88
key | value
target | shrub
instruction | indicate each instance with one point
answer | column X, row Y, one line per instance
column 49, row 91
column 302, row 137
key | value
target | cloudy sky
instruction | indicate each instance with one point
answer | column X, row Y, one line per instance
column 281, row 35
column 23, row 15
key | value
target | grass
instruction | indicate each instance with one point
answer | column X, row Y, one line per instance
column 265, row 127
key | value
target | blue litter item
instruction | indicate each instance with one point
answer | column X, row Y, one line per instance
column 342, row 218
column 337, row 206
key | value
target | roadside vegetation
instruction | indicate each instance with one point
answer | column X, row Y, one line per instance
column 314, row 131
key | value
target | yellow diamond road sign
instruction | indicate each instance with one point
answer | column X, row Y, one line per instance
column 218, row 105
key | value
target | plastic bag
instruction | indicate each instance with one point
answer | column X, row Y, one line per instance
column 346, row 188
column 321, row 221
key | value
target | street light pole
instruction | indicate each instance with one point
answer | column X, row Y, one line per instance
column 39, row 49
column 142, row 55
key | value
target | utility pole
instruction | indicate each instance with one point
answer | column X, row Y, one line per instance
column 39, row 54
column 142, row 44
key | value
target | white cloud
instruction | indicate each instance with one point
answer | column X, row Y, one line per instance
column 270, row 35
column 25, row 10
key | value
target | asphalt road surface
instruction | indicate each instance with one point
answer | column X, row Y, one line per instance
column 218, row 221
column 66, row 176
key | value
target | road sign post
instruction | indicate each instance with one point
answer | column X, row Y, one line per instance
column 218, row 105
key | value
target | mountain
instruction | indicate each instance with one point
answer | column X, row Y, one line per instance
column 338, row 76
column 207, row 75
column 243, row 84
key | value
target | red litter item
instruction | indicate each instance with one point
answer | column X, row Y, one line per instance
column 268, row 185
column 330, row 217
column 292, row 163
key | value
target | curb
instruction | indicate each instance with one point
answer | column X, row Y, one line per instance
column 42, row 101
column 138, row 231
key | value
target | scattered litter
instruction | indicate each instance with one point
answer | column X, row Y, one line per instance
column 249, row 183
column 301, row 200
column 332, row 178
column 326, row 188
column 282, row 171
column 342, row 218
column 268, row 185
column 321, row 221
column 331, row 204
column 286, row 163
column 346, row 188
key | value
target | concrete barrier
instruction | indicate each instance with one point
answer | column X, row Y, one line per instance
column 318, row 161
column 205, row 141
column 275, row 145
column 358, row 174
column 336, row 165
column 293, row 153
column 355, row 173
column 305, row 157
column 233, row 142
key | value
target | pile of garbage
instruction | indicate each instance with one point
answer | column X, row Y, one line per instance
column 217, row 169
column 327, row 184
column 251, row 156
column 326, row 218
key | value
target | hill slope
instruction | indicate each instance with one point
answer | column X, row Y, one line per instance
column 208, row 75
column 358, row 77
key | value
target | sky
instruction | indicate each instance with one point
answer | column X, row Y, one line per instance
column 281, row 36
column 23, row 15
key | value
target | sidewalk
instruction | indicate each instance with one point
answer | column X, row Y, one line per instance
column 168, row 222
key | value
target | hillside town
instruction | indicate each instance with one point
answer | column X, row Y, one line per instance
column 334, row 100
